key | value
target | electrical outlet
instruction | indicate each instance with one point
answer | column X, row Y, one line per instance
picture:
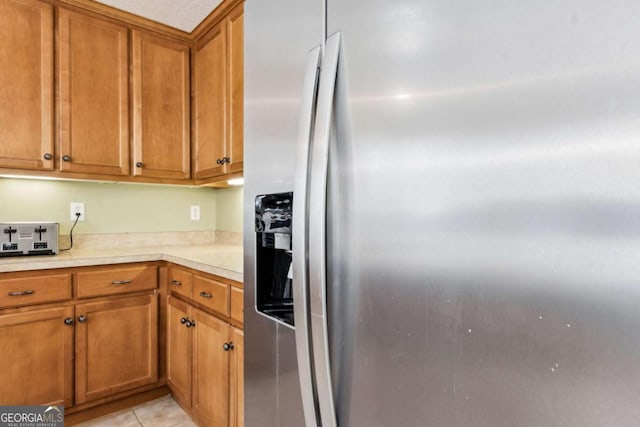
column 77, row 207
column 195, row 213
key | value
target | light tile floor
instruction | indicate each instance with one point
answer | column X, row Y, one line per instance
column 162, row 412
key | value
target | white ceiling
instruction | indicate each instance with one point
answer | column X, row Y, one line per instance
column 182, row 14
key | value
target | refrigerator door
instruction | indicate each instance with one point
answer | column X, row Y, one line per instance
column 484, row 213
column 278, row 36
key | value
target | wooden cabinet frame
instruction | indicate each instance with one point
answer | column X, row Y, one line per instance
column 205, row 348
column 105, row 140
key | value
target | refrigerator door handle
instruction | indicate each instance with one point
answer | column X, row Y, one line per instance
column 317, row 231
column 300, row 240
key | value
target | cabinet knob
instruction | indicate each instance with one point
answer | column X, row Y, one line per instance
column 66, row 158
column 205, row 294
column 227, row 346
column 226, row 160
column 220, row 161
column 82, row 318
column 47, row 156
column 139, row 164
column 183, row 320
column 191, row 324
column 68, row 321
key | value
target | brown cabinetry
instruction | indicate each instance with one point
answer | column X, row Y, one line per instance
column 116, row 346
column 181, row 85
column 101, row 281
column 34, row 289
column 210, row 398
column 205, row 353
column 77, row 353
column 179, row 350
column 93, row 81
column 37, row 358
column 218, row 86
column 236, row 379
column 26, row 84
column 161, row 127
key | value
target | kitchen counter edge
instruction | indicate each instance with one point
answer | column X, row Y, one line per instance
column 221, row 260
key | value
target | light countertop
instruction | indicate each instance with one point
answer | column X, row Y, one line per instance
column 223, row 260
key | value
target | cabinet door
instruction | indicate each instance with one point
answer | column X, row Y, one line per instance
column 94, row 95
column 37, row 358
column 161, row 142
column 116, row 346
column 179, row 355
column 209, row 103
column 26, row 84
column 236, row 378
column 235, row 79
column 210, row 399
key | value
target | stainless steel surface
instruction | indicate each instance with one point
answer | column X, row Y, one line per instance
column 300, row 239
column 317, row 230
column 482, row 238
column 276, row 48
column 28, row 238
column 495, row 177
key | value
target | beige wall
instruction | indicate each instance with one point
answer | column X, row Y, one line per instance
column 118, row 208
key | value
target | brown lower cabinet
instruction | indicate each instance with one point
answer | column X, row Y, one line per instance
column 83, row 337
column 37, row 357
column 116, row 346
column 204, row 364
column 62, row 349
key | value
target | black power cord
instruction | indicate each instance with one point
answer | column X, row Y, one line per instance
column 71, row 232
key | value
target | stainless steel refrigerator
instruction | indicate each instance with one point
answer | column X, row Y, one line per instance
column 464, row 177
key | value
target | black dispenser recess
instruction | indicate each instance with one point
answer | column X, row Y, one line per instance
column 274, row 296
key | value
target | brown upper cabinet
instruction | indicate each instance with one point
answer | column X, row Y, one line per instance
column 89, row 94
column 218, row 92
column 93, row 82
column 161, row 128
column 26, row 85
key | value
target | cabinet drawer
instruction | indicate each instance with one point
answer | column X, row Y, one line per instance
column 180, row 281
column 117, row 281
column 237, row 304
column 34, row 290
column 211, row 294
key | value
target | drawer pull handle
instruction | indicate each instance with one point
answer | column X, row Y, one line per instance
column 21, row 293
column 121, row 282
column 227, row 346
column 176, row 282
column 205, row 294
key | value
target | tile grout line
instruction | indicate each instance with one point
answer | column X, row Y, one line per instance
column 137, row 418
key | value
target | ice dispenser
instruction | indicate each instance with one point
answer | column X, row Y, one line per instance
column 273, row 249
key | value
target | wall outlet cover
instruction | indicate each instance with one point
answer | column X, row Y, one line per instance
column 195, row 213
column 77, row 207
